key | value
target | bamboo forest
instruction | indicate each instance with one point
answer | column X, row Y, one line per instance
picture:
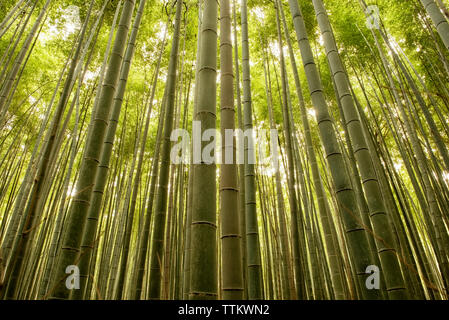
column 224, row 150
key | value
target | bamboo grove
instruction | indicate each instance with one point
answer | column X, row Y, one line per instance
column 353, row 202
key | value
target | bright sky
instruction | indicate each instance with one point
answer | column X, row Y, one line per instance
column 63, row 27
column 258, row 11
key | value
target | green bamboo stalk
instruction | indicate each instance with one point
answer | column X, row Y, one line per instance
column 232, row 287
column 355, row 232
column 156, row 258
column 438, row 20
column 77, row 214
column 253, row 265
column 203, row 252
